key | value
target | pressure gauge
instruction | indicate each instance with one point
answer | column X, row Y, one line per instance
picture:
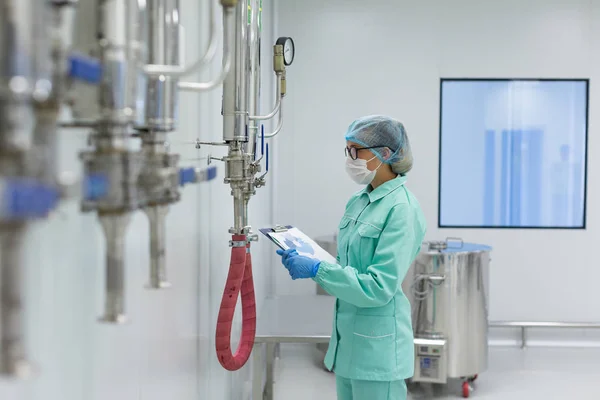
column 289, row 50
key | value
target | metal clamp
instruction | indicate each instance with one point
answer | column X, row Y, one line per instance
column 237, row 243
column 280, row 228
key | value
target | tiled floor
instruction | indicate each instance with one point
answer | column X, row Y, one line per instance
column 514, row 374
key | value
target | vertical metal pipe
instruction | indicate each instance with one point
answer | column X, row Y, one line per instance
column 120, row 50
column 12, row 348
column 239, row 211
column 118, row 31
column 253, row 75
column 42, row 160
column 161, row 92
column 115, row 227
column 235, row 112
column 158, row 270
column 18, row 74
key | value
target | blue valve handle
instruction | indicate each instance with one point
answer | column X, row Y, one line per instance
column 262, row 140
column 211, row 173
column 267, row 157
column 187, row 175
column 191, row 175
column 84, row 68
column 26, row 199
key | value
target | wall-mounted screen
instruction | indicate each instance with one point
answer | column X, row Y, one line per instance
column 513, row 153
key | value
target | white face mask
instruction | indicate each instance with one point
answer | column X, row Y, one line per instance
column 358, row 171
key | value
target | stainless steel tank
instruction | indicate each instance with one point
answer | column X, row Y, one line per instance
column 447, row 286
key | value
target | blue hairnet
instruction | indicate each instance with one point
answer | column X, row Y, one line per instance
column 379, row 130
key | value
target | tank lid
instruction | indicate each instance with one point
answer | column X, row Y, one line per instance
column 440, row 245
column 454, row 245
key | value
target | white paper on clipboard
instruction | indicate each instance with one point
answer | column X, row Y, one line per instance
column 294, row 238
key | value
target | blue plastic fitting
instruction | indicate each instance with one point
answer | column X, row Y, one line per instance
column 187, row 175
column 25, row 199
column 211, row 173
column 95, row 186
column 85, row 68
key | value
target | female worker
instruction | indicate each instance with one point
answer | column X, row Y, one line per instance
column 371, row 349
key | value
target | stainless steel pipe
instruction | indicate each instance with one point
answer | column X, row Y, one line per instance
column 24, row 81
column 253, row 74
column 161, row 92
column 157, row 216
column 119, row 43
column 115, row 229
column 235, row 101
column 13, row 359
column 276, row 107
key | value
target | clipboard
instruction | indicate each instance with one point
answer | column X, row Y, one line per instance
column 287, row 236
column 277, row 228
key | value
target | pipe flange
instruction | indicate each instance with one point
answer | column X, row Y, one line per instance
column 437, row 245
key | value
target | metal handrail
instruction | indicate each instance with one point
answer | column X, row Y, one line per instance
column 524, row 325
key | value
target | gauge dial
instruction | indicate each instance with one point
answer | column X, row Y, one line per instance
column 289, row 50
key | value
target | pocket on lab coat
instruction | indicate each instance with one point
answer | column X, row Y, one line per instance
column 368, row 237
column 374, row 344
column 342, row 241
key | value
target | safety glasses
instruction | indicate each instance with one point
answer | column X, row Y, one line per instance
column 352, row 152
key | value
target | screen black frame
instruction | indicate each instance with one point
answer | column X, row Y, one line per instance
column 585, row 173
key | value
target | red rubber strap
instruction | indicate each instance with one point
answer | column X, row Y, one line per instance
column 238, row 280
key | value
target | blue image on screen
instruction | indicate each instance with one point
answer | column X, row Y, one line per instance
column 513, row 153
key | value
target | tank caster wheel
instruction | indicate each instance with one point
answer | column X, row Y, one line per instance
column 466, row 389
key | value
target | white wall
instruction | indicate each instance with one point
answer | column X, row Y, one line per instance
column 167, row 349
column 356, row 58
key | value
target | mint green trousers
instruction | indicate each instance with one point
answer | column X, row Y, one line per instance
column 349, row 389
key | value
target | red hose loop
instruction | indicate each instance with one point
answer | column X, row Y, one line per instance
column 238, row 280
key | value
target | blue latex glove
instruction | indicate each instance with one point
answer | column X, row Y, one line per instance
column 285, row 255
column 299, row 267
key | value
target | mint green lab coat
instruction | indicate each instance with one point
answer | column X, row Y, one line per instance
column 379, row 237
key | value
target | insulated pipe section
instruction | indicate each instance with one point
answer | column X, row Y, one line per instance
column 228, row 23
column 115, row 227
column 161, row 93
column 235, row 86
column 119, row 44
column 13, row 361
column 157, row 216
